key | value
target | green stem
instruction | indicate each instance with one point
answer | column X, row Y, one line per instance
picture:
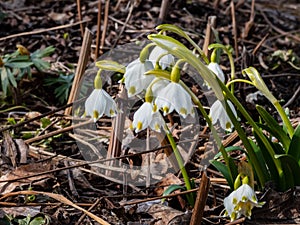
column 181, row 166
column 238, row 80
column 212, row 128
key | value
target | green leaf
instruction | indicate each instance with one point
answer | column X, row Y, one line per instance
column 38, row 221
column 291, row 170
column 110, row 66
column 274, row 128
column 172, row 28
column 230, row 149
column 172, row 188
column 294, row 149
column 268, row 159
column 40, row 64
column 260, row 158
column 41, row 53
column 11, row 78
column 222, row 168
column 19, row 64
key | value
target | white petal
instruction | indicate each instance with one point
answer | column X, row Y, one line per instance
column 142, row 117
column 215, row 67
column 157, row 122
column 110, row 105
column 165, row 61
column 135, row 80
column 218, row 113
column 245, row 193
column 173, row 96
column 95, row 103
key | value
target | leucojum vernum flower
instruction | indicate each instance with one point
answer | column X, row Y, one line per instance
column 155, row 77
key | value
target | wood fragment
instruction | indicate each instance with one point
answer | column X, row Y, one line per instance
column 165, row 4
column 200, row 203
column 80, row 16
column 234, row 29
column 211, row 23
column 98, row 30
column 105, row 24
column 82, row 62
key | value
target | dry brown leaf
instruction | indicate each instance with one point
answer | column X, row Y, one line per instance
column 168, row 180
column 23, row 171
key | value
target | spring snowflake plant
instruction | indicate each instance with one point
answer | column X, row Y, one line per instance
column 157, row 74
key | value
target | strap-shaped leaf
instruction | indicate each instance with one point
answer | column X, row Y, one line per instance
column 222, row 168
column 291, row 170
column 294, row 149
column 19, row 64
column 274, row 128
column 261, row 160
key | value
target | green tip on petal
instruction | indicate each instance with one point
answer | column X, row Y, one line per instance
column 139, row 126
column 183, row 111
column 132, row 90
column 165, row 109
column 95, row 114
column 112, row 112
column 157, row 127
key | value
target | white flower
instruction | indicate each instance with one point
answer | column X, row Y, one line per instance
column 159, row 85
column 218, row 113
column 165, row 61
column 241, row 202
column 215, row 67
column 135, row 80
column 173, row 96
column 147, row 116
column 99, row 103
column 229, row 207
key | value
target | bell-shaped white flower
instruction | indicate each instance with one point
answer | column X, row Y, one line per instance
column 218, row 114
column 229, row 207
column 100, row 103
column 165, row 61
column 135, row 79
column 147, row 116
column 173, row 96
column 215, row 67
column 241, row 202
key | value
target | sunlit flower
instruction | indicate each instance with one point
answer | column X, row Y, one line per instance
column 215, row 67
column 165, row 61
column 229, row 207
column 100, row 103
column 147, row 116
column 218, row 114
column 241, row 202
column 135, row 79
column 173, row 96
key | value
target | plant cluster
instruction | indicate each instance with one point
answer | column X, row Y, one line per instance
column 14, row 66
column 273, row 154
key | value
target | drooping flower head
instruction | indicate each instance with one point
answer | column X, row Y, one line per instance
column 99, row 102
column 241, row 202
column 164, row 59
column 135, row 79
column 218, row 114
column 174, row 97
